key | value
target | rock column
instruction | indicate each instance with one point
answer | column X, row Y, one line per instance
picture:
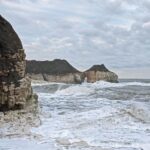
column 15, row 87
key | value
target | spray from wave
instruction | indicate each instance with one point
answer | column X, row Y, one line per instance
column 98, row 116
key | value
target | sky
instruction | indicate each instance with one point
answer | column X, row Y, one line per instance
column 85, row 32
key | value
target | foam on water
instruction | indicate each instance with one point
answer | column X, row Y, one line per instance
column 140, row 111
column 103, row 84
column 24, row 144
column 75, row 90
column 92, row 117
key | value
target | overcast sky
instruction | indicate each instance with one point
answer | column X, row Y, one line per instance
column 85, row 32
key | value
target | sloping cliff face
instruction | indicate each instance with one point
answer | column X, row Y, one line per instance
column 100, row 72
column 61, row 71
column 53, row 71
column 15, row 87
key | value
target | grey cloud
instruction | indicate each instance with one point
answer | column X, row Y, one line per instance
column 85, row 32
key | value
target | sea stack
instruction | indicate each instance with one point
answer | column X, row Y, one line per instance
column 53, row 71
column 15, row 86
column 100, row 72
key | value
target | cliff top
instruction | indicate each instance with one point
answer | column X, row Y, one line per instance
column 54, row 67
column 98, row 68
column 9, row 40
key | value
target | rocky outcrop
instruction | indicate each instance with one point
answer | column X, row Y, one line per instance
column 100, row 72
column 53, row 71
column 61, row 71
column 15, row 87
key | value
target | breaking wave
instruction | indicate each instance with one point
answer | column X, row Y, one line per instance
column 102, row 115
column 103, row 84
column 69, row 89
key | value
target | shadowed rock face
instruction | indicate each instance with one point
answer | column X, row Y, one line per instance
column 100, row 72
column 55, row 67
column 15, row 87
column 98, row 68
column 9, row 40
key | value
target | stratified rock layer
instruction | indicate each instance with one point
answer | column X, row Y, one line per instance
column 100, row 72
column 53, row 71
column 15, row 87
column 61, row 71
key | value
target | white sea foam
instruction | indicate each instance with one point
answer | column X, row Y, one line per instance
column 103, row 84
column 140, row 111
column 90, row 88
column 24, row 144
column 75, row 90
column 102, row 123
column 81, row 117
column 42, row 83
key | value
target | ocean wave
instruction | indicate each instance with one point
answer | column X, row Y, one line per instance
column 82, row 89
column 50, row 87
column 104, row 84
column 92, row 116
column 89, row 88
column 43, row 83
column 140, row 111
column 75, row 90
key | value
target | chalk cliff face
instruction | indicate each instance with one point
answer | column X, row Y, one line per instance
column 53, row 71
column 100, row 72
column 15, row 87
column 61, row 71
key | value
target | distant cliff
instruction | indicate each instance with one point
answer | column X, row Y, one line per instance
column 54, row 71
column 100, row 72
column 61, row 71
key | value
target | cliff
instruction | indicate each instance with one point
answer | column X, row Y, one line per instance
column 53, row 71
column 100, row 72
column 15, row 87
column 61, row 71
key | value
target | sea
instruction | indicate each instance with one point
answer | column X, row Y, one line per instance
column 87, row 116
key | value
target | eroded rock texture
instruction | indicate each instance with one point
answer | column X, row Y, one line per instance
column 15, row 87
column 100, row 72
column 53, row 71
column 61, row 71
